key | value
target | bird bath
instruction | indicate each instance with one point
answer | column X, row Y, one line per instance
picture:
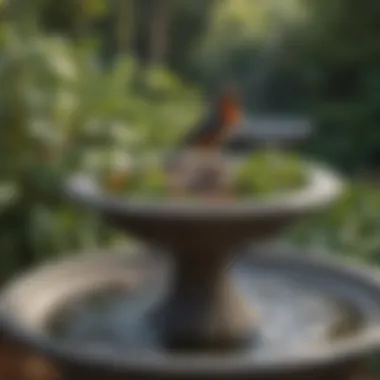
column 200, row 304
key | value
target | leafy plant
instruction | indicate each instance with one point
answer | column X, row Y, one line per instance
column 270, row 172
column 60, row 112
column 350, row 228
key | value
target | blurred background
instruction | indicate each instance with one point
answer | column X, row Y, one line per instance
column 92, row 83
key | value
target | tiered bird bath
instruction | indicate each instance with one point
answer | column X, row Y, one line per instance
column 201, row 304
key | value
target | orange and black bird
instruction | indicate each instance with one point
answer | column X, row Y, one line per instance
column 223, row 117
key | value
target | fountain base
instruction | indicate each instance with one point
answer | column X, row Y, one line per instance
column 312, row 315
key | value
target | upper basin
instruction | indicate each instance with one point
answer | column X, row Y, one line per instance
column 201, row 224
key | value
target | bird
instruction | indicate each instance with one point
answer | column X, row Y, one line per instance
column 207, row 139
column 223, row 117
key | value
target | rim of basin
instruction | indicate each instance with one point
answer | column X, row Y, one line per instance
column 323, row 186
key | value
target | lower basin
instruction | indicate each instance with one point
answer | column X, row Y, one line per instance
column 94, row 312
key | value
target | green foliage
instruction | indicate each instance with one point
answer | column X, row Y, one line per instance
column 247, row 41
column 234, row 30
column 60, row 112
column 339, row 58
column 37, row 105
column 270, row 172
column 150, row 183
column 64, row 16
column 189, row 20
column 133, row 119
column 350, row 228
